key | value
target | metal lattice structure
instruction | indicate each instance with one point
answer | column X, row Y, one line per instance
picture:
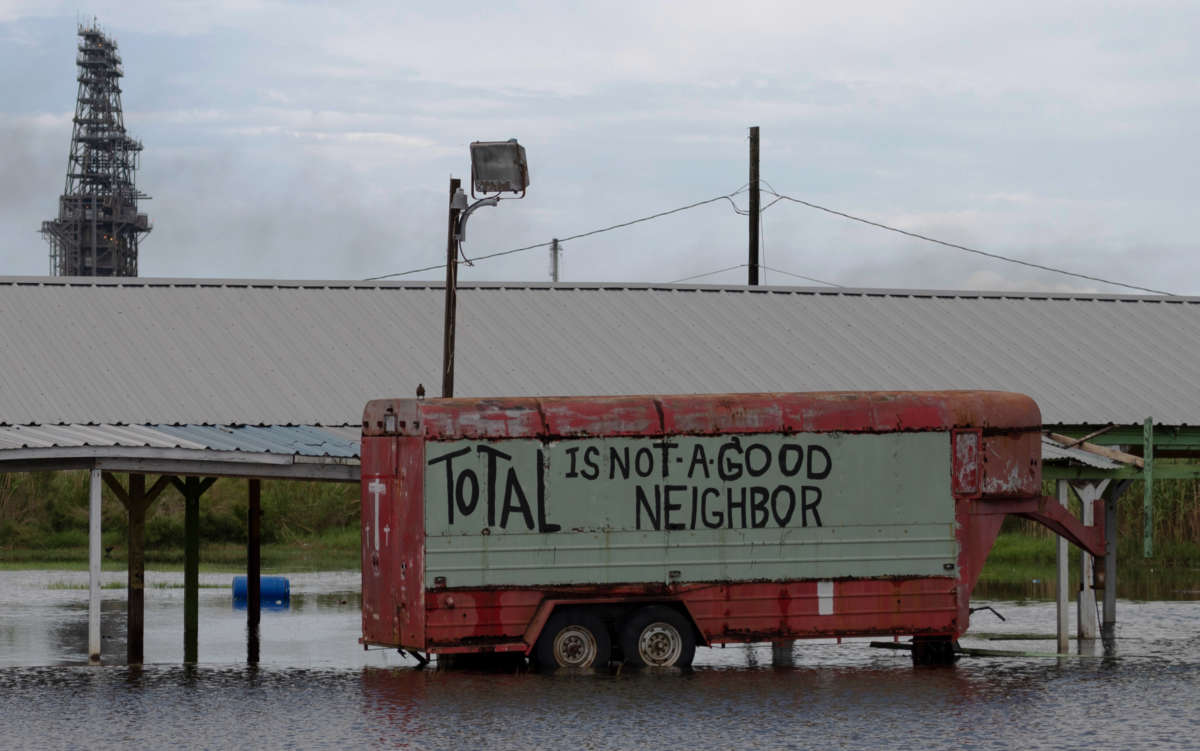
column 98, row 226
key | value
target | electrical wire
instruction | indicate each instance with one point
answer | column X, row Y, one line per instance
column 801, row 276
column 761, row 266
column 762, row 246
column 956, row 246
column 561, row 240
column 708, row 273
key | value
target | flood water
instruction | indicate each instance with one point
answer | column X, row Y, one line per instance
column 316, row 688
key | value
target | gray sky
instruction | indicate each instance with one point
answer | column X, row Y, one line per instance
column 295, row 140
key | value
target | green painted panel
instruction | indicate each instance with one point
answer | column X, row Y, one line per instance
column 750, row 507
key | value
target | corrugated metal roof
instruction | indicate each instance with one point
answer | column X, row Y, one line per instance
column 147, row 351
column 302, row 440
column 1055, row 453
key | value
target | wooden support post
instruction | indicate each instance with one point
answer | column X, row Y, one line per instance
column 191, row 489
column 136, row 500
column 253, row 571
column 1148, row 494
column 753, row 262
column 191, row 572
column 448, row 324
column 136, row 585
column 94, row 545
column 1061, row 598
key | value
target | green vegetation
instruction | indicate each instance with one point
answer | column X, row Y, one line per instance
column 313, row 526
column 307, row 526
column 1022, row 562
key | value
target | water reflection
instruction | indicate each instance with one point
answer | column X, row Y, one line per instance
column 1169, row 584
column 315, row 687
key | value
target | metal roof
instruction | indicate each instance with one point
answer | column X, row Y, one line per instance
column 296, row 440
column 161, row 351
column 1055, row 453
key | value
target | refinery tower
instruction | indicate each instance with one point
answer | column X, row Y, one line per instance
column 98, row 226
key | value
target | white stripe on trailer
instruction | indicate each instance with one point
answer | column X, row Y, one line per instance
column 824, row 598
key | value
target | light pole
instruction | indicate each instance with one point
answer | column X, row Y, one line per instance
column 496, row 167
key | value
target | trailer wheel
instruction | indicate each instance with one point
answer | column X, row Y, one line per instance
column 658, row 636
column 573, row 638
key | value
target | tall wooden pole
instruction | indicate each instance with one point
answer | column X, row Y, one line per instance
column 451, row 294
column 753, row 263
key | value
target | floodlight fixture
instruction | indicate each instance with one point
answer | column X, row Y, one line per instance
column 498, row 167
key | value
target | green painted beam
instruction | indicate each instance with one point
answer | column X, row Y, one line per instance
column 1148, row 495
column 1166, row 437
column 1161, row 472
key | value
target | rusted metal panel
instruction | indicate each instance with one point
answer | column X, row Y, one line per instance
column 818, row 412
column 759, row 611
column 411, row 608
column 723, row 612
column 381, row 563
column 965, row 446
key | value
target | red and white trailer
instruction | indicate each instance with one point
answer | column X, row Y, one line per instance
column 583, row 530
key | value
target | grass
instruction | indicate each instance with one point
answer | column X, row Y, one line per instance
column 334, row 550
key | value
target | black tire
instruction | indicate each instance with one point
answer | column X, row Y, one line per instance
column 575, row 639
column 658, row 636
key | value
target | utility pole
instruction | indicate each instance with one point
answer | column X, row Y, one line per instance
column 451, row 293
column 554, row 251
column 753, row 263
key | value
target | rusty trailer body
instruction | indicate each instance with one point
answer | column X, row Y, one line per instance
column 578, row 529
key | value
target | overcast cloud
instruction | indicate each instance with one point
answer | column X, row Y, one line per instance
column 300, row 140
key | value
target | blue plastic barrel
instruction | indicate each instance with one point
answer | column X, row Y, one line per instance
column 273, row 590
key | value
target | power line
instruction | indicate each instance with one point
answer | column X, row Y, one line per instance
column 561, row 240
column 709, row 273
column 761, row 266
column 956, row 246
column 800, row 276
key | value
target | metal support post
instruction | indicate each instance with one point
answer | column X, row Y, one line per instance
column 94, row 546
column 1109, row 622
column 253, row 571
column 1148, row 493
column 1108, row 628
column 1061, row 596
column 1088, row 628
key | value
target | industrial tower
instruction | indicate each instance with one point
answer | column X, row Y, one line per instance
column 98, row 225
